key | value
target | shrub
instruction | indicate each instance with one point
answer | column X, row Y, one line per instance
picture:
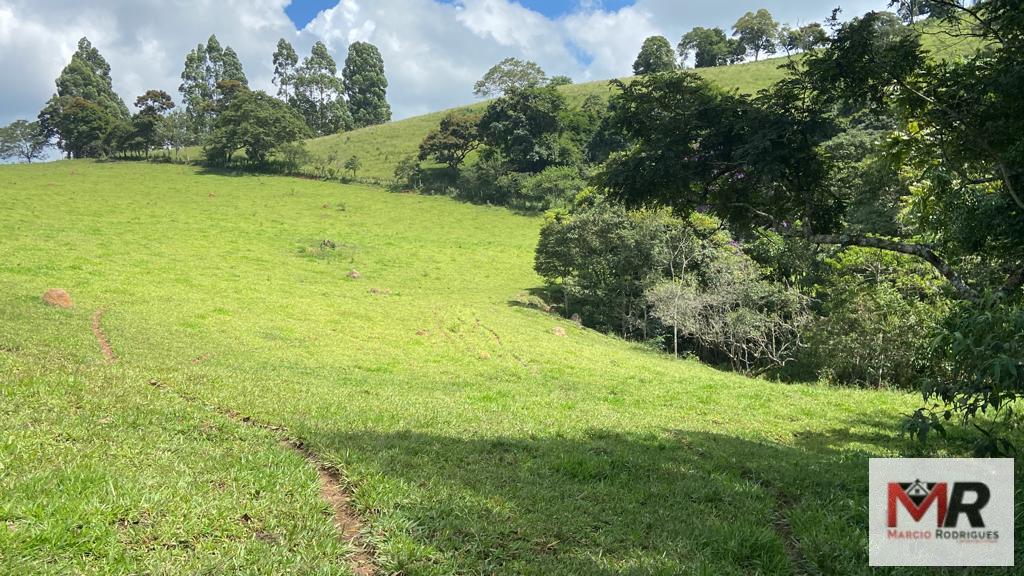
column 878, row 313
column 556, row 186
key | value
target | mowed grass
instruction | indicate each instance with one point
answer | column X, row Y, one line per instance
column 475, row 439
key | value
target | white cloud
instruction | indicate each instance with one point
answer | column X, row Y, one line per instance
column 433, row 51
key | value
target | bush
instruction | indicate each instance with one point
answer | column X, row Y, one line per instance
column 556, row 186
column 326, row 166
column 291, row 157
column 408, row 175
column 976, row 366
column 878, row 314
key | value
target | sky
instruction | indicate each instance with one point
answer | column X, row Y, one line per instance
column 434, row 50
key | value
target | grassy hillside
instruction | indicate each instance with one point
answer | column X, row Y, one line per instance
column 382, row 147
column 476, row 434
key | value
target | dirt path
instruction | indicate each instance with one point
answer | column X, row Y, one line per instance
column 97, row 330
column 332, row 484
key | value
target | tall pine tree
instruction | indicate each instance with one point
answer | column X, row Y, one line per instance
column 85, row 108
column 366, row 85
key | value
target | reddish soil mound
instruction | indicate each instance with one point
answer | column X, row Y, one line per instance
column 57, row 297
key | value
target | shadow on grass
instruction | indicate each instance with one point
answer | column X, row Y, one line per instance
column 678, row 502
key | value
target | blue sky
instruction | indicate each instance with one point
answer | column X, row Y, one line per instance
column 303, row 11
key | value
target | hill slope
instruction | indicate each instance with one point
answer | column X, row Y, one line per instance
column 381, row 148
column 477, row 434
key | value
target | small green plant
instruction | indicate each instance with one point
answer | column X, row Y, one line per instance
column 353, row 165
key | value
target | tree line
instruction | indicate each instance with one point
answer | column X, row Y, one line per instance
column 860, row 222
column 86, row 118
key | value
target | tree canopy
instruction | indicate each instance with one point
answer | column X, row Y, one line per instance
column 257, row 123
column 655, row 56
column 85, row 108
column 757, row 32
column 318, row 93
column 710, row 47
column 211, row 74
column 23, row 140
column 366, row 85
column 509, row 75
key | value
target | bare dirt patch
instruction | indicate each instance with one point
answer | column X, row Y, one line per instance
column 59, row 298
column 558, row 331
column 97, row 330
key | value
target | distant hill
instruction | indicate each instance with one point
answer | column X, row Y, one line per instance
column 382, row 147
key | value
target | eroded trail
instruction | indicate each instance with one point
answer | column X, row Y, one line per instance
column 97, row 330
column 332, row 485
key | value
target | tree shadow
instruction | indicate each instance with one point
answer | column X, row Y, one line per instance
column 598, row 502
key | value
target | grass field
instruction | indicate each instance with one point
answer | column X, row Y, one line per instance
column 473, row 437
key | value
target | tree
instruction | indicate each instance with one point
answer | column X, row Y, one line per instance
column 366, row 85
column 209, row 70
column 23, row 140
column 802, row 39
column 509, row 75
column 710, row 47
column 257, row 123
column 655, row 56
column 152, row 105
column 174, row 133
column 560, row 80
column 453, row 140
column 763, row 164
column 524, row 126
column 757, row 32
column 286, row 69
column 318, row 93
column 353, row 165
column 85, row 106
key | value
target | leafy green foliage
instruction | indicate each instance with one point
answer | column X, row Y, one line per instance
column 318, row 93
column 286, row 69
column 524, row 126
column 353, row 164
column 456, row 137
column 655, row 56
column 803, row 38
column 877, row 316
column 211, row 74
column 23, row 140
column 256, row 123
column 710, row 47
column 85, row 108
column 555, row 186
column 977, row 367
column 757, row 32
column 511, row 74
column 366, row 85
column 147, row 131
